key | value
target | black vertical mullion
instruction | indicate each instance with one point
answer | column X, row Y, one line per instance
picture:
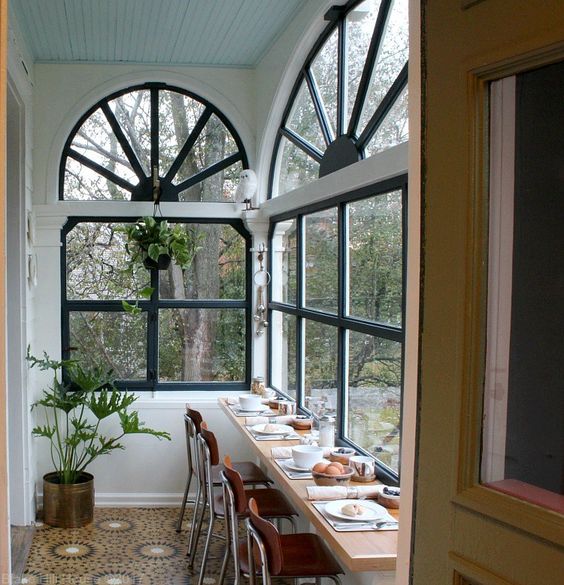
column 342, row 382
column 153, row 332
column 369, row 65
column 65, row 319
column 249, row 308
column 319, row 107
column 300, row 292
column 154, row 130
column 342, row 77
column 342, row 257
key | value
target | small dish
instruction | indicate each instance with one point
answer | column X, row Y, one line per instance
column 261, row 408
column 371, row 510
column 389, row 497
column 326, row 479
column 342, row 455
column 291, row 464
column 302, row 422
column 272, row 429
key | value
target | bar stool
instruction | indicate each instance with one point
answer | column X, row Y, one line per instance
column 275, row 504
column 291, row 556
column 235, row 504
column 252, row 474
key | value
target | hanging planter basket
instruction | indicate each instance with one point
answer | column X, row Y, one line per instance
column 68, row 505
column 162, row 264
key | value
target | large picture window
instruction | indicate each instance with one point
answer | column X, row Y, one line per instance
column 194, row 330
column 350, row 99
column 337, row 313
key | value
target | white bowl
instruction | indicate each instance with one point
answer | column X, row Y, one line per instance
column 307, row 456
column 250, row 401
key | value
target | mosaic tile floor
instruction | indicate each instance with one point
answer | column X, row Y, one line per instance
column 123, row 546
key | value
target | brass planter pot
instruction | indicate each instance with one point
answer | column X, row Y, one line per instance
column 68, row 505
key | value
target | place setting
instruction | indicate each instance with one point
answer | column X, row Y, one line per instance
column 249, row 405
column 272, row 432
column 356, row 515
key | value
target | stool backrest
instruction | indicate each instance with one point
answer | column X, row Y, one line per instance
column 235, row 481
column 269, row 538
column 196, row 419
column 211, row 442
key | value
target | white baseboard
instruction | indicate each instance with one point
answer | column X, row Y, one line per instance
column 134, row 500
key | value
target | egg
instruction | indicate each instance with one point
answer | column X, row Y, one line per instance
column 320, row 467
column 339, row 466
column 333, row 470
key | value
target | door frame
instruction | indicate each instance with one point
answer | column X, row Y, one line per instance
column 16, row 341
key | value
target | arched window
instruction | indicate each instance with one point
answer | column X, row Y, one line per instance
column 350, row 99
column 191, row 324
column 147, row 135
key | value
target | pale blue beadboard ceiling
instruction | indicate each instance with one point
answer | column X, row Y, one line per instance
column 232, row 33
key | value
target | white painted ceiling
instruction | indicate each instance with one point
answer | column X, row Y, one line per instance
column 233, row 33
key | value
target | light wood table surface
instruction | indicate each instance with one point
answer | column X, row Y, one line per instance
column 357, row 551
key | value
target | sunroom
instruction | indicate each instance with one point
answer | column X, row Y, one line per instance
column 213, row 227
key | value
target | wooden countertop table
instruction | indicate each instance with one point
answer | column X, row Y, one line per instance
column 357, row 551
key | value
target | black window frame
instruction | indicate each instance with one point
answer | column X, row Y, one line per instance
column 340, row 321
column 340, row 156
column 153, row 306
column 144, row 190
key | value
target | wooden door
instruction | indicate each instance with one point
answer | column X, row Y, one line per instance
column 465, row 532
column 4, row 520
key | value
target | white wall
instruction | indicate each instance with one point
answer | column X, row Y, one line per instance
column 20, row 311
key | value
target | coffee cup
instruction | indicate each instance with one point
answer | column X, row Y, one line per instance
column 286, row 407
column 364, row 468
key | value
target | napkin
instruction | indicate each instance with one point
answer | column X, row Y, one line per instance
column 286, row 452
column 259, row 420
column 342, row 492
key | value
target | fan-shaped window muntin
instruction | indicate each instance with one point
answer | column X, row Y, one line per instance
column 350, row 99
column 152, row 139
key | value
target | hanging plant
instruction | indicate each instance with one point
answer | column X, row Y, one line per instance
column 154, row 243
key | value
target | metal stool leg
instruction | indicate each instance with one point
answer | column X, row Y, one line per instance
column 206, row 549
column 184, row 501
column 197, row 517
column 227, row 551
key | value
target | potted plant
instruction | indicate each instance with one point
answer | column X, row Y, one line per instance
column 154, row 243
column 74, row 408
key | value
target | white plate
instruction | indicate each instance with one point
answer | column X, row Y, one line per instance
column 261, row 408
column 372, row 510
column 291, row 464
column 275, row 429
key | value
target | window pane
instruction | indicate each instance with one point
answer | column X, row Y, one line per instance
column 218, row 268
column 283, row 364
column 374, row 396
column 375, row 258
column 321, row 251
column 201, row 345
column 96, row 141
column 394, row 128
column 284, row 255
column 133, row 112
column 96, row 261
column 320, row 371
column 84, row 184
column 178, row 114
column 360, row 25
column 111, row 339
column 218, row 187
column 392, row 56
column 296, row 167
column 324, row 70
column 303, row 119
column 214, row 144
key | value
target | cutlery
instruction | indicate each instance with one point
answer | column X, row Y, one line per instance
column 374, row 525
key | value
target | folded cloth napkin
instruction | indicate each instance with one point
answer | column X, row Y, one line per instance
column 342, row 492
column 259, row 420
column 286, row 452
